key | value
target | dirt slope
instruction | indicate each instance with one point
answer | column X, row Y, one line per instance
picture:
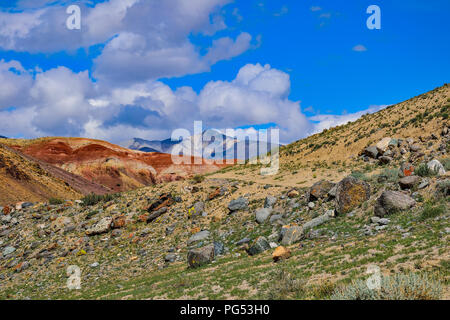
column 103, row 163
column 22, row 179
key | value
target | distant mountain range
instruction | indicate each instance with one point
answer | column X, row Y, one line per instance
column 3, row 137
column 228, row 146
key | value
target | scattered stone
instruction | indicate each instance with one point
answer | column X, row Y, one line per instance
column 316, row 222
column 291, row 234
column 409, row 182
column 171, row 257
column 311, row 205
column 351, row 193
column 415, row 148
column 425, row 183
column 281, row 253
column 393, row 201
column 100, row 227
column 238, row 204
column 262, row 215
column 243, row 241
column 385, row 159
column 383, row 145
column 436, row 166
column 293, row 194
column 320, row 190
column 260, row 245
column 94, row 265
column 156, row 214
column 383, row 221
column 269, row 202
column 200, row 256
column 199, row 236
column 371, row 152
column 219, row 248
column 8, row 250
column 165, row 200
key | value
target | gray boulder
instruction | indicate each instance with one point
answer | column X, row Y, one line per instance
column 371, row 152
column 409, row 182
column 436, row 166
column 270, row 202
column 262, row 215
column 316, row 222
column 291, row 234
column 260, row 245
column 391, row 202
column 200, row 256
column 238, row 204
column 199, row 236
column 100, row 227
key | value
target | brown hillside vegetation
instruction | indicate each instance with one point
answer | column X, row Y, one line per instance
column 334, row 153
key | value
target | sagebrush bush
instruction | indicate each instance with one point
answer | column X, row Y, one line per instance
column 93, row 199
column 446, row 163
column 198, row 178
column 412, row 286
column 388, row 175
column 423, row 171
column 431, row 210
column 285, row 286
column 55, row 201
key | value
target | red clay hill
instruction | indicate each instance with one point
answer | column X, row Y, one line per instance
column 112, row 166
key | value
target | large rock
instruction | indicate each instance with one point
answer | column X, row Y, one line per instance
column 319, row 190
column 156, row 214
column 391, row 202
column 371, row 152
column 262, row 215
column 238, row 204
column 100, row 227
column 260, row 245
column 281, row 253
column 436, row 166
column 199, row 236
column 385, row 159
column 201, row 256
column 409, row 182
column 291, row 234
column 383, row 145
column 350, row 193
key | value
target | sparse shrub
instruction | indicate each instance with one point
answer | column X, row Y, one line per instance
column 446, row 163
column 412, row 286
column 198, row 178
column 323, row 290
column 55, row 201
column 359, row 175
column 431, row 210
column 388, row 175
column 93, row 199
column 423, row 171
column 443, row 189
column 285, row 286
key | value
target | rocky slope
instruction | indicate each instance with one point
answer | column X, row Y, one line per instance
column 312, row 231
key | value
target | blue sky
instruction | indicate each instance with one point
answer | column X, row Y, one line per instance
column 144, row 69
